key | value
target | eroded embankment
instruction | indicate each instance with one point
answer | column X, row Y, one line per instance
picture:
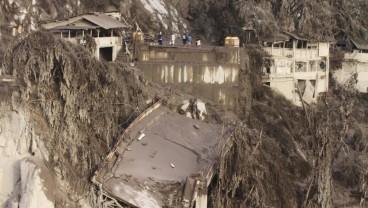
column 78, row 105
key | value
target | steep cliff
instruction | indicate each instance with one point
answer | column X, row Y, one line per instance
column 77, row 105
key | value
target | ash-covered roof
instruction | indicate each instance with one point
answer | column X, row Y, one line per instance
column 295, row 36
column 94, row 19
column 73, row 27
column 104, row 21
column 274, row 38
column 359, row 45
column 156, row 154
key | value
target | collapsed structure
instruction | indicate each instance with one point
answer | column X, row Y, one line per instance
column 163, row 159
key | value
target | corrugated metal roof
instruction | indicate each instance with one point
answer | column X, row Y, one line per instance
column 104, row 21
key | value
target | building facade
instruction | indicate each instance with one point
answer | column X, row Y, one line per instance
column 355, row 64
column 105, row 28
column 297, row 68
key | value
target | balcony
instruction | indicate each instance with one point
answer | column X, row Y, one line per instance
column 361, row 57
column 288, row 52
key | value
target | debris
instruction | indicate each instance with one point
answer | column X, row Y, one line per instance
column 199, row 109
column 184, row 107
column 128, row 149
column 196, row 126
column 141, row 136
column 172, row 165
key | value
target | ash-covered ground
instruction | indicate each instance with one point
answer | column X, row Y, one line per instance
column 282, row 155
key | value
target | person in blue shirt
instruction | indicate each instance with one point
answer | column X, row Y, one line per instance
column 189, row 39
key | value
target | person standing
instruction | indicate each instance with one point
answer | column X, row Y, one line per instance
column 184, row 39
column 172, row 42
column 198, row 43
column 190, row 39
column 160, row 39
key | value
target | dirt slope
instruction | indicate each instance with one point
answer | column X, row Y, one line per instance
column 78, row 105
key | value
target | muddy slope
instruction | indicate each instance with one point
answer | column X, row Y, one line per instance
column 285, row 156
column 78, row 105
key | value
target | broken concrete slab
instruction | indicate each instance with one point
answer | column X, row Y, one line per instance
column 154, row 175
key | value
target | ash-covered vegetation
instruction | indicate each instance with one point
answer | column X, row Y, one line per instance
column 309, row 18
column 79, row 105
column 283, row 156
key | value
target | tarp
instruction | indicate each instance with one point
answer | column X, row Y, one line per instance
column 308, row 92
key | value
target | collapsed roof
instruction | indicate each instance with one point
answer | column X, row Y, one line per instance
column 157, row 154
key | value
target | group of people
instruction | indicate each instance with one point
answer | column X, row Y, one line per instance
column 187, row 39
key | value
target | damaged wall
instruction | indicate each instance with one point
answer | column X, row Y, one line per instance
column 212, row 72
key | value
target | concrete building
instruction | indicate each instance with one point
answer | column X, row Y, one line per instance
column 298, row 67
column 355, row 64
column 105, row 28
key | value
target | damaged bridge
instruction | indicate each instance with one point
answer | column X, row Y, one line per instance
column 163, row 159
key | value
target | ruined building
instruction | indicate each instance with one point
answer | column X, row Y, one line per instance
column 106, row 29
column 297, row 67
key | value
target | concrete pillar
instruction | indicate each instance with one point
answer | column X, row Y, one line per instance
column 97, row 53
column 272, row 49
column 294, row 49
column 114, row 53
column 69, row 34
column 201, row 201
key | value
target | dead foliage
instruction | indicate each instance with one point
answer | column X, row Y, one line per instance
column 79, row 105
column 253, row 173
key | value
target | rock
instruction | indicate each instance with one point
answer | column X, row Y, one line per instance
column 33, row 193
